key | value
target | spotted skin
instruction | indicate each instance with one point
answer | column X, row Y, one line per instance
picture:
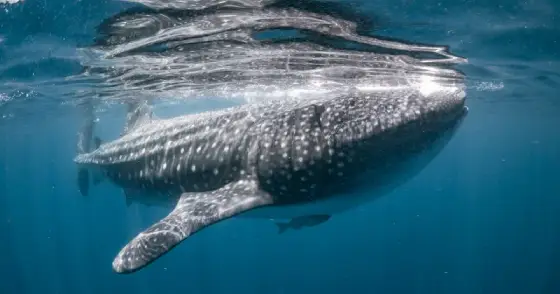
column 277, row 154
column 193, row 212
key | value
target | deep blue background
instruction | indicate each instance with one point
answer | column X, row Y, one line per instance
column 482, row 218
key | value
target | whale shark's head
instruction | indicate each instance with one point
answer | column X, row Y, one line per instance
column 372, row 141
column 394, row 133
column 439, row 105
column 421, row 100
column 425, row 116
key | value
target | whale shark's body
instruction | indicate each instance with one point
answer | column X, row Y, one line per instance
column 276, row 159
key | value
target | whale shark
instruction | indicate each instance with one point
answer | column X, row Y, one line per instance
column 281, row 158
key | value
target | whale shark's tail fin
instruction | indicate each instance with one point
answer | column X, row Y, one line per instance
column 282, row 227
column 85, row 136
column 85, row 173
column 194, row 212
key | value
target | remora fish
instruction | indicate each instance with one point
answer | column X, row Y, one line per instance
column 302, row 221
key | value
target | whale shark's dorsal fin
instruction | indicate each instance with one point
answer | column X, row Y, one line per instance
column 194, row 211
column 138, row 113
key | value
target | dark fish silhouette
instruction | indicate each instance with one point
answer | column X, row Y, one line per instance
column 302, row 221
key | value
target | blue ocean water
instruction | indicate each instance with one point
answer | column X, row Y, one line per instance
column 481, row 218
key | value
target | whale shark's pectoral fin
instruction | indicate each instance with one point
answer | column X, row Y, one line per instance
column 194, row 211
